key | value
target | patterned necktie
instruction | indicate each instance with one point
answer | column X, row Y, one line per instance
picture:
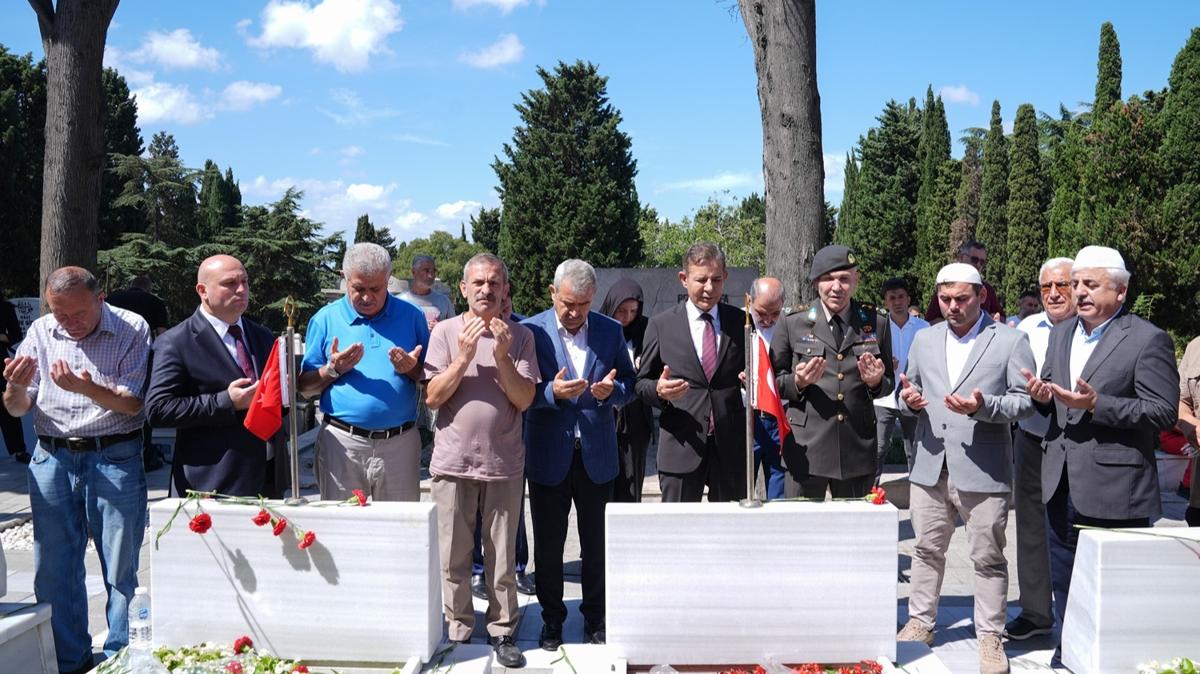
column 708, row 359
column 243, row 355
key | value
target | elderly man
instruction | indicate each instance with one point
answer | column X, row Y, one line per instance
column 82, row 369
column 482, row 372
column 205, row 373
column 363, row 358
column 973, row 253
column 1109, row 384
column 421, row 294
column 571, row 442
column 831, row 361
column 692, row 358
column 965, row 386
column 904, row 327
column 766, row 308
column 1033, row 560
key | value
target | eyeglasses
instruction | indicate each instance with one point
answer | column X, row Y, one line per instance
column 1062, row 286
column 976, row 259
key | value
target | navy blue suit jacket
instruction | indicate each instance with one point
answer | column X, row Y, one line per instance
column 550, row 423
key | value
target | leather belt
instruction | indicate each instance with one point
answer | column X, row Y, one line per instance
column 368, row 433
column 78, row 444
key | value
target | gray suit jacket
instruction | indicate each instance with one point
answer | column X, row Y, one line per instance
column 1108, row 454
column 976, row 449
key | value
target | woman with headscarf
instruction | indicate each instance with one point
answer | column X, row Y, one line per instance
column 635, row 421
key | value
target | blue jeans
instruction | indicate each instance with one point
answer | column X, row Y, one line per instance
column 766, row 454
column 73, row 494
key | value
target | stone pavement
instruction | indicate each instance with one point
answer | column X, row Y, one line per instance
column 955, row 641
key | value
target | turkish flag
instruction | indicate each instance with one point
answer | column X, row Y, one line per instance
column 766, row 396
column 265, row 416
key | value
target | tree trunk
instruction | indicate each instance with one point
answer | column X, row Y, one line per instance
column 783, row 33
column 73, row 36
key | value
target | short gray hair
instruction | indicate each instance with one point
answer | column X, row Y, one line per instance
column 488, row 259
column 422, row 259
column 1054, row 263
column 580, row 274
column 367, row 259
column 66, row 279
column 765, row 281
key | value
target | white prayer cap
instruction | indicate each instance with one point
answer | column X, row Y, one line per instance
column 1099, row 257
column 958, row 272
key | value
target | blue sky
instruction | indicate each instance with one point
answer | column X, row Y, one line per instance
column 396, row 108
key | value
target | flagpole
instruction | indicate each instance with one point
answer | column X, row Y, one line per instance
column 751, row 501
column 289, row 309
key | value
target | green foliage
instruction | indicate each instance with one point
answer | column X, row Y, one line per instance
column 22, row 123
column 1065, row 235
column 219, row 199
column 485, row 229
column 162, row 189
column 1108, row 67
column 970, row 187
column 740, row 230
column 992, row 228
column 936, row 194
column 365, row 232
column 1027, row 199
column 121, row 137
column 449, row 252
column 566, row 183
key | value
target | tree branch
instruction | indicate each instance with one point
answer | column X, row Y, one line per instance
column 45, row 15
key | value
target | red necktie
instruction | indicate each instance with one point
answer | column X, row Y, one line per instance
column 243, row 355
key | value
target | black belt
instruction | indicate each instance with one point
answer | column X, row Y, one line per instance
column 367, row 433
column 77, row 444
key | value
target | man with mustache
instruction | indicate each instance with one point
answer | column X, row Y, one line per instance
column 481, row 370
column 1033, row 560
column 832, row 360
column 1109, row 384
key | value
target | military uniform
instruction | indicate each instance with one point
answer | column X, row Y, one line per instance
column 833, row 419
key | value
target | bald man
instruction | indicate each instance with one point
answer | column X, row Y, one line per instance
column 205, row 373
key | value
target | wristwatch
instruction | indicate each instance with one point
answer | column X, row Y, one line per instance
column 331, row 371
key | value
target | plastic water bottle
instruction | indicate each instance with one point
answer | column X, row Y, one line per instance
column 141, row 636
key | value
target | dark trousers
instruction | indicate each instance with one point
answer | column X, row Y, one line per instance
column 886, row 419
column 522, row 542
column 1033, row 557
column 551, row 507
column 722, row 481
column 1061, row 518
column 631, row 457
column 767, row 457
column 14, row 434
column 814, row 486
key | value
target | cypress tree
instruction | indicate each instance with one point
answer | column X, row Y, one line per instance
column 1026, row 208
column 1108, row 77
column 966, row 203
column 935, row 196
column 992, row 228
column 566, row 183
column 485, row 229
column 365, row 232
column 1065, row 236
column 211, row 198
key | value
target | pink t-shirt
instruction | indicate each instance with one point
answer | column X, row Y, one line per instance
column 479, row 432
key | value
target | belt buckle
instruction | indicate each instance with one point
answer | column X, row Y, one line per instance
column 77, row 444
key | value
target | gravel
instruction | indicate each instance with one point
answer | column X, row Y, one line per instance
column 21, row 537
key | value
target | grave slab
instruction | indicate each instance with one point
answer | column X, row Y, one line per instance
column 26, row 640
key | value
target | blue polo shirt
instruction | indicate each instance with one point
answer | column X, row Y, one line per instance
column 372, row 395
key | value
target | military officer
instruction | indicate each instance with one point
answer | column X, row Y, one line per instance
column 831, row 361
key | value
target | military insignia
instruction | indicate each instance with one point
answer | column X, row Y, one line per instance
column 869, row 338
column 850, row 258
column 868, row 328
column 808, row 338
column 812, row 314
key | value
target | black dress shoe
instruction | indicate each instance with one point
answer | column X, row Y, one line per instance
column 507, row 653
column 525, row 584
column 479, row 586
column 593, row 634
column 551, row 637
column 22, row 457
column 152, row 462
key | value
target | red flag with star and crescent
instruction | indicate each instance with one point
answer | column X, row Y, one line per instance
column 766, row 396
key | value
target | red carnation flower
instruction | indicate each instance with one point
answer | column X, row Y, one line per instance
column 360, row 497
column 261, row 518
column 234, row 667
column 300, row 668
column 280, row 526
column 308, row 539
column 243, row 644
column 201, row 523
column 877, row 496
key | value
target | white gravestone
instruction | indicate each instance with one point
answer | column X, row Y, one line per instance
column 1131, row 600
column 368, row 591
column 715, row 583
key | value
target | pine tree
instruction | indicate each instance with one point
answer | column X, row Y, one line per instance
column 485, row 228
column 1108, row 78
column 22, row 121
column 1026, row 209
column 566, row 183
column 121, row 136
column 992, row 228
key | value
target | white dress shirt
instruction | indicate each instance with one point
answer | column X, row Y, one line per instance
column 222, row 329
column 902, row 339
column 1082, row 346
column 1037, row 326
column 576, row 347
column 698, row 326
column 958, row 349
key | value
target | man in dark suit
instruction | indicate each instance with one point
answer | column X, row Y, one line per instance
column 139, row 298
column 571, row 442
column 693, row 356
column 1110, row 385
column 205, row 373
column 831, row 362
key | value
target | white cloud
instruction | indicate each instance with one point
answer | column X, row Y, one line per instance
column 508, row 49
column 505, row 6
column 163, row 102
column 119, row 61
column 366, row 192
column 176, row 50
column 408, row 221
column 342, row 33
column 958, row 94
column 835, row 173
column 720, row 182
column 352, row 111
column 418, row 140
column 243, row 95
column 351, row 151
column 457, row 210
